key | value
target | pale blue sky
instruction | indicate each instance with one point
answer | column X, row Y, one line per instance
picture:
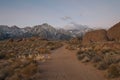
column 94, row 13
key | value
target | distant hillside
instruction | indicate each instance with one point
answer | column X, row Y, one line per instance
column 44, row 31
column 10, row 32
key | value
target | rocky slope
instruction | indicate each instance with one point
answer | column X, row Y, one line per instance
column 10, row 32
column 44, row 31
column 114, row 32
column 101, row 35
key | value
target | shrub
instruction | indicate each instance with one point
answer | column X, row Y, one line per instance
column 43, row 50
column 113, row 71
column 2, row 56
column 96, row 59
column 102, row 65
column 13, row 77
column 28, row 71
column 80, row 55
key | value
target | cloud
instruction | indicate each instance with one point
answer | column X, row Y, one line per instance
column 75, row 26
column 78, row 25
column 65, row 18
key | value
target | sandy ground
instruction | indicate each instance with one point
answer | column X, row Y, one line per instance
column 65, row 66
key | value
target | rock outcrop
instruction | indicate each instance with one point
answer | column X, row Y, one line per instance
column 95, row 36
column 114, row 32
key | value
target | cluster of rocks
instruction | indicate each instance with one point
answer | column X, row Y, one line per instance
column 112, row 34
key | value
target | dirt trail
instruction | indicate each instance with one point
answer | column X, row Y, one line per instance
column 65, row 66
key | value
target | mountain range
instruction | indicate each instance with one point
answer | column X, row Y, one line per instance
column 45, row 31
column 77, row 30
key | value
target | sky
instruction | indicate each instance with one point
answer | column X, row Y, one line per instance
column 59, row 13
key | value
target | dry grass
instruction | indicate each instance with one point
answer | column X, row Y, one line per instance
column 103, row 56
column 19, row 59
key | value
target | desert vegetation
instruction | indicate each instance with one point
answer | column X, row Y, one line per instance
column 104, row 56
column 20, row 58
column 74, row 43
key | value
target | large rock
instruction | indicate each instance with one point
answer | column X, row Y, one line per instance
column 95, row 36
column 114, row 32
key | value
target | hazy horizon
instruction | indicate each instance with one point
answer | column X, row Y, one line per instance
column 59, row 13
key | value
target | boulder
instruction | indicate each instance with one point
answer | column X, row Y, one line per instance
column 114, row 32
column 95, row 36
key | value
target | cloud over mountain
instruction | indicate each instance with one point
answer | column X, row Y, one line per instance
column 65, row 18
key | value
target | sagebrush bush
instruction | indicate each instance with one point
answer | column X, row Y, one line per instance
column 113, row 71
column 80, row 55
column 2, row 56
column 102, row 65
column 28, row 71
column 96, row 59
